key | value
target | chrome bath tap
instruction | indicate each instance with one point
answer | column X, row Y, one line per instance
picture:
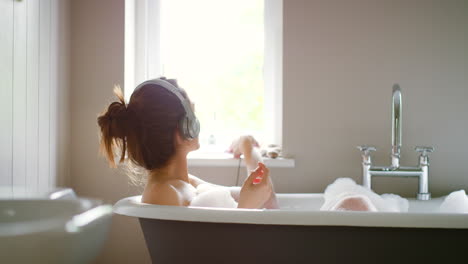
column 395, row 170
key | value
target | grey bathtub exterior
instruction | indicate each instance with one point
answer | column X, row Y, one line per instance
column 298, row 233
column 198, row 242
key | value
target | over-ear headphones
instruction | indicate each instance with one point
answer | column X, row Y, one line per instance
column 189, row 126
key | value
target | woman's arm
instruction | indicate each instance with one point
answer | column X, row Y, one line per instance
column 248, row 146
column 235, row 190
column 256, row 192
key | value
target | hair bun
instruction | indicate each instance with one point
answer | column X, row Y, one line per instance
column 114, row 127
column 115, row 119
column 118, row 119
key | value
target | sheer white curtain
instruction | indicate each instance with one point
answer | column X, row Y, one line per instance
column 33, row 109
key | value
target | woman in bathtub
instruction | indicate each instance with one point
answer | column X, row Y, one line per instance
column 156, row 131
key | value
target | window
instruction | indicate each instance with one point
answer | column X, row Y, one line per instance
column 225, row 53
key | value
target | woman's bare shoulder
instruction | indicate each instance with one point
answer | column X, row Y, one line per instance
column 162, row 194
column 195, row 181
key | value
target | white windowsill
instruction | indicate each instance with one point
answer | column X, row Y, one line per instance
column 221, row 159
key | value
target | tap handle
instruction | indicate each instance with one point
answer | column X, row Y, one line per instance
column 424, row 150
column 366, row 149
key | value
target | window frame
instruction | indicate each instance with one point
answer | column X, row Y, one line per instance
column 143, row 63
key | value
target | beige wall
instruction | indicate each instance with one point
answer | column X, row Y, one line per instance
column 97, row 64
column 61, row 27
column 340, row 61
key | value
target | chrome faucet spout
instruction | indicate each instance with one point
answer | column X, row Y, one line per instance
column 396, row 125
column 421, row 171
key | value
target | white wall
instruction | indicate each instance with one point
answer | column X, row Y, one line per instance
column 34, row 113
column 341, row 59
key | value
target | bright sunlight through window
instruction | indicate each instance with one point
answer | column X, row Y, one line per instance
column 215, row 49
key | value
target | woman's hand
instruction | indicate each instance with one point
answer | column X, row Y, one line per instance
column 257, row 189
column 242, row 145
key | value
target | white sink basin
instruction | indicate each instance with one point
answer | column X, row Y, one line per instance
column 35, row 229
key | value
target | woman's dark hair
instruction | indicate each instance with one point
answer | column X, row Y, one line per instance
column 142, row 131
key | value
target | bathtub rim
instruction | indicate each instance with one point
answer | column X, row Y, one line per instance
column 131, row 206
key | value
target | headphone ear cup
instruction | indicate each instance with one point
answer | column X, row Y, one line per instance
column 183, row 128
column 189, row 128
column 194, row 128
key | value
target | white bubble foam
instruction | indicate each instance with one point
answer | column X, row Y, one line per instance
column 455, row 202
column 211, row 196
column 345, row 194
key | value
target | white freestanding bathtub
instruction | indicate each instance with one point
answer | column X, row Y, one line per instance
column 299, row 233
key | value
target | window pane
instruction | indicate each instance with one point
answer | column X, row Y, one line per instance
column 215, row 50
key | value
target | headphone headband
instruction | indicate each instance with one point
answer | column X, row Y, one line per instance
column 189, row 125
column 174, row 90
